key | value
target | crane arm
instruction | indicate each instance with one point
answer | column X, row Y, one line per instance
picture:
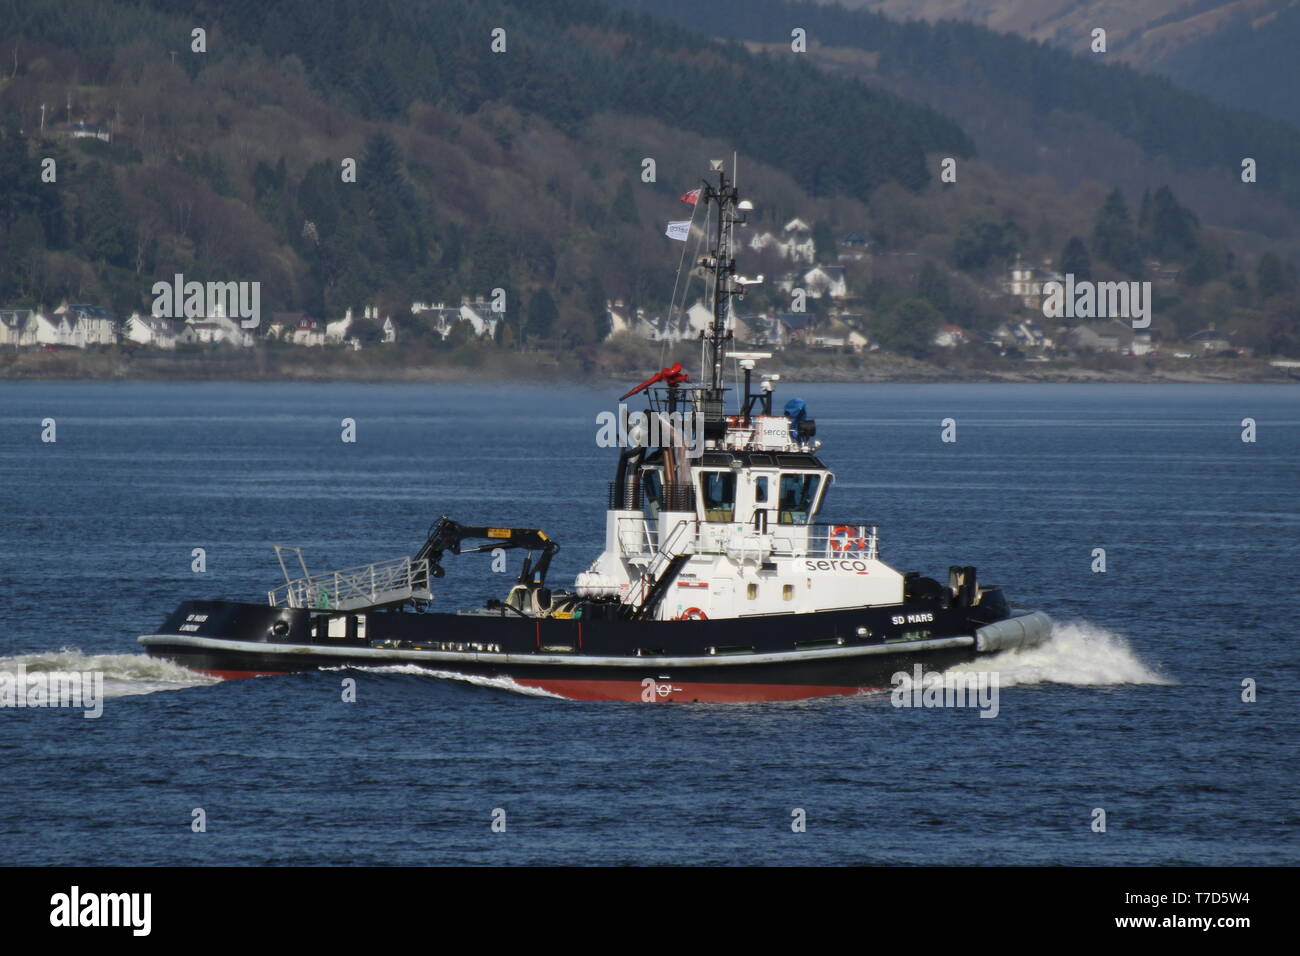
column 448, row 535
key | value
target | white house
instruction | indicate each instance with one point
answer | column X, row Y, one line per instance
column 795, row 242
column 1210, row 340
column 200, row 332
column 1024, row 335
column 307, row 331
column 336, row 331
column 698, row 319
column 657, row 327
column 151, row 330
column 1025, row 282
column 89, row 324
column 826, row 281
column 83, row 130
column 479, row 314
column 442, row 318
column 18, row 327
column 949, row 337
column 623, row 319
column 56, row 330
column 215, row 328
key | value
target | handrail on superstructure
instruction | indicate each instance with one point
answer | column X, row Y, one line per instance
column 638, row 539
column 369, row 585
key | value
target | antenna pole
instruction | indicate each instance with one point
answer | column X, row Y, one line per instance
column 722, row 262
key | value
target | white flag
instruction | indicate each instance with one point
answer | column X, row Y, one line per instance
column 678, row 230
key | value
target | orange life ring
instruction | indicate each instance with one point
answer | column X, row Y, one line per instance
column 846, row 543
column 692, row 614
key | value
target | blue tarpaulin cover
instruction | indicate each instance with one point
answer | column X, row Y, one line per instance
column 796, row 411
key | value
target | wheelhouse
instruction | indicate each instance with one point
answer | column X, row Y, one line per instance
column 741, row 488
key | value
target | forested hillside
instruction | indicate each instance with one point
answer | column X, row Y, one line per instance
column 1164, row 120
column 523, row 169
column 479, row 169
column 1238, row 52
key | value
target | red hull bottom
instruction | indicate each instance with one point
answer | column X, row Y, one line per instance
column 650, row 692
column 647, row 691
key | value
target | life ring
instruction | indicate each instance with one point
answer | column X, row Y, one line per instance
column 848, row 541
column 692, row 614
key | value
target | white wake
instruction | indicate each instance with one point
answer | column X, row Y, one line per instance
column 125, row 675
column 500, row 683
column 1078, row 653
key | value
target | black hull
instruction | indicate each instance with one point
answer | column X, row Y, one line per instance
column 643, row 679
column 778, row 657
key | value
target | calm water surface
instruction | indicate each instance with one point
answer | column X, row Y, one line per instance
column 1135, row 707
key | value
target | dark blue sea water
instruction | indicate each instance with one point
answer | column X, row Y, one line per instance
column 1135, row 707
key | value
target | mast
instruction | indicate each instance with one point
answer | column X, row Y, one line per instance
column 722, row 263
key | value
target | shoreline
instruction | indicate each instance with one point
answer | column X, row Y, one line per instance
column 265, row 365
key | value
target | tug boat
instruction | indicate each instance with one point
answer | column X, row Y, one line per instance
column 717, row 581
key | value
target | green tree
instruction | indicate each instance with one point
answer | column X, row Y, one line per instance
column 981, row 242
column 1269, row 276
column 542, row 314
column 394, row 210
column 104, row 222
column 1114, row 239
column 1075, row 259
column 595, row 300
column 1205, row 266
column 26, row 254
column 932, row 286
column 623, row 208
column 824, row 240
column 17, row 173
column 489, row 261
column 906, row 325
column 1174, row 228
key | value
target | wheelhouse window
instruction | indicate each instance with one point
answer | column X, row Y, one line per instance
column 798, row 495
column 718, row 495
column 653, row 483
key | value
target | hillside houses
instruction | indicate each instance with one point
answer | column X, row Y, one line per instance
column 82, row 325
column 769, row 330
column 826, row 281
column 950, row 337
column 293, row 328
column 83, row 130
column 69, row 326
column 1210, row 341
column 1025, row 282
column 216, row 329
column 17, row 327
column 857, row 245
column 93, row 324
column 795, row 242
column 349, row 329
column 658, row 327
column 1023, row 334
column 150, row 331
column 442, row 319
column 818, row 282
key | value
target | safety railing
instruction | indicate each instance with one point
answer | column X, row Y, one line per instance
column 638, row 538
column 369, row 585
